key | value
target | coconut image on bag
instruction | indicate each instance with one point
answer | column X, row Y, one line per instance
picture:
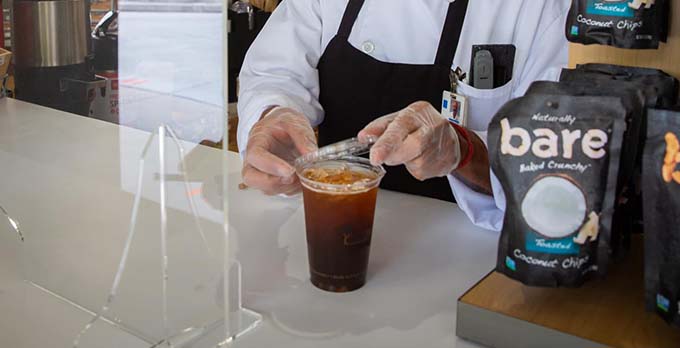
column 557, row 159
column 661, row 192
column 639, row 24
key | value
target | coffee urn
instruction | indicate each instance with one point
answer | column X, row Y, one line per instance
column 52, row 46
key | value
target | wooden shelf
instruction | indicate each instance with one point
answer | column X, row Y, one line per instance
column 610, row 312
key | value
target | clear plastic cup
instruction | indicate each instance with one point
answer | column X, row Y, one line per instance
column 339, row 199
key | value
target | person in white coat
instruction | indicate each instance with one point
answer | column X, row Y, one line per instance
column 379, row 67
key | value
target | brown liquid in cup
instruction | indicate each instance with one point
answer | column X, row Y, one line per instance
column 339, row 226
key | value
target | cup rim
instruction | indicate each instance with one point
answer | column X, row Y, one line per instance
column 337, row 188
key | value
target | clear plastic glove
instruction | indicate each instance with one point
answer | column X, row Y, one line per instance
column 418, row 137
column 274, row 143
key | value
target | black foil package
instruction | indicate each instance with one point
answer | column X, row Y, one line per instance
column 661, row 191
column 639, row 24
column 633, row 101
column 659, row 88
column 557, row 158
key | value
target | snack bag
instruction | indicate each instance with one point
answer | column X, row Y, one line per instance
column 557, row 158
column 661, row 192
column 633, row 101
column 639, row 24
column 660, row 89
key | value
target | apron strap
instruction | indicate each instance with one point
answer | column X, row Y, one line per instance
column 453, row 28
column 351, row 14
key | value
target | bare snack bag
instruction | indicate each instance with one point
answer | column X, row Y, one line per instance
column 633, row 101
column 557, row 158
column 661, row 191
column 639, row 24
column 660, row 89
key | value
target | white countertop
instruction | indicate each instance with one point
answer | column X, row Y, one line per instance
column 70, row 181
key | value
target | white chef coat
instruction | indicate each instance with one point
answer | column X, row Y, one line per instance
column 280, row 67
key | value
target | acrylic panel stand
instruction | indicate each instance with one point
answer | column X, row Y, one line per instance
column 238, row 320
column 176, row 328
column 169, row 280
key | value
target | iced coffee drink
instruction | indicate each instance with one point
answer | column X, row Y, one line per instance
column 339, row 199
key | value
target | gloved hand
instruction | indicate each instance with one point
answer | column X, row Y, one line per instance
column 274, row 143
column 417, row 136
column 265, row 5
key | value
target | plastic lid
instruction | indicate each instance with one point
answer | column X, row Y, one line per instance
column 350, row 147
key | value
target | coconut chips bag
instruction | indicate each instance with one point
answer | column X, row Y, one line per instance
column 633, row 101
column 640, row 24
column 660, row 89
column 661, row 192
column 557, row 158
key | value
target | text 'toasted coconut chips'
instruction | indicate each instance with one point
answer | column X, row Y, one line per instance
column 639, row 24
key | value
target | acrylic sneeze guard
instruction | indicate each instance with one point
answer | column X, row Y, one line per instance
column 135, row 236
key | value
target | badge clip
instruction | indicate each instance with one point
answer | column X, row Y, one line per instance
column 454, row 105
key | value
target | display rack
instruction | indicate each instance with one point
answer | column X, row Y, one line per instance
column 500, row 312
column 503, row 313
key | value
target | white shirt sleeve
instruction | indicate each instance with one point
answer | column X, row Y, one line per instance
column 549, row 53
column 283, row 73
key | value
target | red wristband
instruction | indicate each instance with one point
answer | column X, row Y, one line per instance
column 470, row 146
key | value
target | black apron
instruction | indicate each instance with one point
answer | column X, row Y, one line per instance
column 356, row 89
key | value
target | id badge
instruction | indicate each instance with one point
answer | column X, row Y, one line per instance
column 454, row 108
